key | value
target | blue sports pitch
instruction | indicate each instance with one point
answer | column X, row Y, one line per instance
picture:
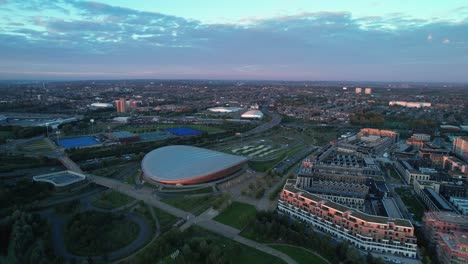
column 184, row 131
column 77, row 142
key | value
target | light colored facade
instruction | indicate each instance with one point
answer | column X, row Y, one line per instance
column 454, row 164
column 120, row 105
column 358, row 90
column 409, row 173
column 368, row 90
column 461, row 204
column 366, row 232
column 410, row 104
column 460, row 147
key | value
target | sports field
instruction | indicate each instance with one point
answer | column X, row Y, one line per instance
column 78, row 142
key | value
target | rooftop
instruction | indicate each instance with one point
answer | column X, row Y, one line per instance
column 186, row 162
column 353, row 212
column 61, row 178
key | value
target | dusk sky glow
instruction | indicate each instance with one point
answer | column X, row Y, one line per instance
column 266, row 39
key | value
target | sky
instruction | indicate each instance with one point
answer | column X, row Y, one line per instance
column 359, row 40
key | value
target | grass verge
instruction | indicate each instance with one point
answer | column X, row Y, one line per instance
column 237, row 215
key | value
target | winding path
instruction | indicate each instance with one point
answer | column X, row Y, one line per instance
column 58, row 226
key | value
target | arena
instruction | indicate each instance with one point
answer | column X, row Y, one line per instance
column 189, row 165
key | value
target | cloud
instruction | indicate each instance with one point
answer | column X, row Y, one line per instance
column 114, row 41
column 446, row 41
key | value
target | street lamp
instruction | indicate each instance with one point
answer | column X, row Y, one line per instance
column 92, row 127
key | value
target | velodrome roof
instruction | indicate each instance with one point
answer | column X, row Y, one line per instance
column 179, row 162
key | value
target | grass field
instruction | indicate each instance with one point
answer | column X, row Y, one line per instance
column 195, row 205
column 265, row 165
column 6, row 134
column 300, row 255
column 237, row 215
column 111, row 199
column 166, row 221
column 36, row 146
column 412, row 203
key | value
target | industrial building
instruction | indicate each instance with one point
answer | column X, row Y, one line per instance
column 189, row 165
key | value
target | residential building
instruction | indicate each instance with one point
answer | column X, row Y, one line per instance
column 436, row 223
column 460, row 147
column 453, row 248
column 366, row 232
column 120, row 105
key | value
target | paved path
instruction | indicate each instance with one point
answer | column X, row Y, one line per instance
column 204, row 220
column 147, row 195
column 58, row 225
column 144, row 193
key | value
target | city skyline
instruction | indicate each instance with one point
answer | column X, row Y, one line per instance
column 284, row 40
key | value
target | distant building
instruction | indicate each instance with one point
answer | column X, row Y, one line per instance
column 368, row 90
column 410, row 104
column 224, row 109
column 358, row 90
column 460, row 147
column 120, row 105
column 101, row 105
column 253, row 114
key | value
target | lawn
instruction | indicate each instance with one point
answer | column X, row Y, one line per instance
column 114, row 232
column 195, row 205
column 413, row 204
column 300, row 255
column 111, row 199
column 265, row 165
column 166, row 221
column 6, row 134
column 36, row 146
column 237, row 215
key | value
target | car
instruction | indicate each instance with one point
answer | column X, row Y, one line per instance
column 396, row 261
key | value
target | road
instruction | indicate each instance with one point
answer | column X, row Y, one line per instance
column 275, row 120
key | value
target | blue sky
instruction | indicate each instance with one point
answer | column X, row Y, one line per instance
column 264, row 39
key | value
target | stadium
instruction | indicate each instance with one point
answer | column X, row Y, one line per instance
column 183, row 165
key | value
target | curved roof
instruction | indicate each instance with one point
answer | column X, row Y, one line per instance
column 173, row 163
column 252, row 114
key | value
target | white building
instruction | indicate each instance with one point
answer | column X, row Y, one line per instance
column 253, row 114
